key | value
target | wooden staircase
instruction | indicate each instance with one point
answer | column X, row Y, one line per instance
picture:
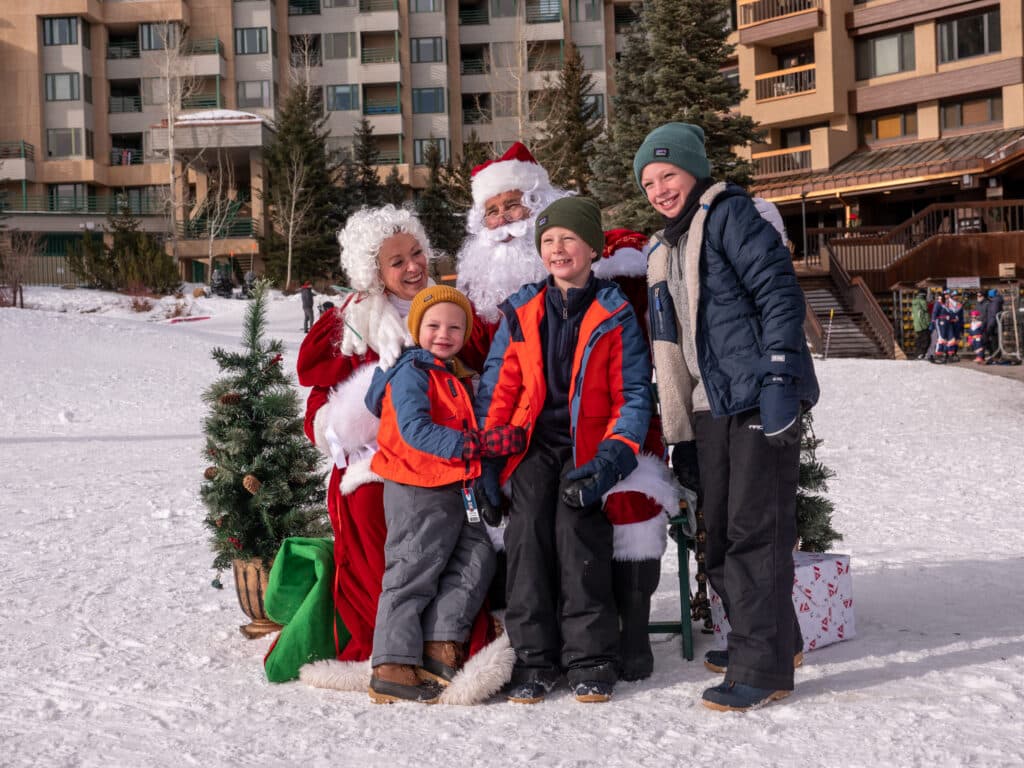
column 852, row 335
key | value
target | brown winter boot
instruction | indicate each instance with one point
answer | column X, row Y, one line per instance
column 442, row 660
column 399, row 682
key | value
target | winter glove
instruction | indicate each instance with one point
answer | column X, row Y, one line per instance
column 502, row 441
column 780, row 410
column 587, row 484
column 684, row 465
column 488, row 494
column 471, row 447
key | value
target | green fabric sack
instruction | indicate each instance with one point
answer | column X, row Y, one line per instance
column 300, row 597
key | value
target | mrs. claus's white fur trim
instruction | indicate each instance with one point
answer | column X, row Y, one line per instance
column 372, row 321
column 640, row 541
column 362, row 237
column 625, row 262
column 482, row 676
column 346, row 411
column 358, row 473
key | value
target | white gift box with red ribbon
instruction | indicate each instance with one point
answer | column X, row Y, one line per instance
column 822, row 596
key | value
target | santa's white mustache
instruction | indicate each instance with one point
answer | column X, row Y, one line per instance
column 504, row 232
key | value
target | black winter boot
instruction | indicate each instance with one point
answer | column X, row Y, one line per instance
column 634, row 583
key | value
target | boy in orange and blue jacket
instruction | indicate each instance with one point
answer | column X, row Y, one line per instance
column 438, row 558
column 569, row 364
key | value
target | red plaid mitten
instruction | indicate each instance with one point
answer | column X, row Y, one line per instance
column 503, row 441
column 471, row 446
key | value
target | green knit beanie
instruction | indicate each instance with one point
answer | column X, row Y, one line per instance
column 680, row 144
column 579, row 214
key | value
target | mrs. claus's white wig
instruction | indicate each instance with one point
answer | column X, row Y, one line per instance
column 364, row 234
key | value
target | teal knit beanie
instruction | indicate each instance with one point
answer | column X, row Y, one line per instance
column 680, row 144
column 578, row 214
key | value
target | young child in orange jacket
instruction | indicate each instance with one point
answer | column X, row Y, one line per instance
column 438, row 558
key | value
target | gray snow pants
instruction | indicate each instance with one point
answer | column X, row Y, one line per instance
column 437, row 569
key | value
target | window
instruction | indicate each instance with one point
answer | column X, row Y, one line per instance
column 60, row 31
column 424, row 6
column 969, row 36
column 972, row 112
column 90, row 142
column 249, row 40
column 342, row 98
column 584, row 10
column 597, row 99
column 426, row 100
column 86, row 35
column 87, row 88
column 63, row 87
column 506, row 55
column 305, row 51
column 253, row 93
column 427, row 49
column 591, row 56
column 504, row 104
column 885, row 54
column 68, row 197
column 340, row 45
column 139, row 200
column 63, row 142
column 891, row 125
column 156, row 37
column 154, row 90
column 419, row 150
column 503, row 8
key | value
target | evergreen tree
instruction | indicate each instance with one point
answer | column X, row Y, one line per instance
column 435, row 211
column 813, row 510
column 394, row 190
column 572, row 125
column 264, row 484
column 368, row 190
column 670, row 70
column 457, row 176
column 300, row 142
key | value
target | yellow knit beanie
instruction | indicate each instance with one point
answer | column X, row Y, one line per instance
column 437, row 294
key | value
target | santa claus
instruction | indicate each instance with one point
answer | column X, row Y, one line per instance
column 499, row 256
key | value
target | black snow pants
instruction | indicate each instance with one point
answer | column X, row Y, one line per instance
column 561, row 607
column 749, row 503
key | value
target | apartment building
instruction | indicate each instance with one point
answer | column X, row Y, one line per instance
column 876, row 109
column 84, row 110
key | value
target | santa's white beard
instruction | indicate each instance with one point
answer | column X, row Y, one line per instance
column 490, row 271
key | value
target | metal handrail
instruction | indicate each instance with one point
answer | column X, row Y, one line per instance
column 201, row 101
column 474, row 67
column 381, row 107
column 11, row 150
column 379, row 55
column 129, row 49
column 758, row 11
column 203, row 47
column 472, row 16
column 369, row 6
column 102, row 204
column 120, row 104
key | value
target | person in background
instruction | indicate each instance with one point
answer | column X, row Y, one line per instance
column 976, row 336
column 919, row 317
column 734, row 374
column 307, row 307
column 991, row 322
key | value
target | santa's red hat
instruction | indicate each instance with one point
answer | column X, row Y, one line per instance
column 516, row 169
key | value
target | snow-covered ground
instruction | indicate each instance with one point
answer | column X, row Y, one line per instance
column 115, row 650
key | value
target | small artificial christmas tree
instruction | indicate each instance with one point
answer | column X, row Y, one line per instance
column 264, row 484
column 813, row 511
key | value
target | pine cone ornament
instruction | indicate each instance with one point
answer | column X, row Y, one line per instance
column 230, row 398
column 210, row 473
column 251, row 483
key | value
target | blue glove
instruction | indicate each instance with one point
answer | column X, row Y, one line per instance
column 488, row 494
column 613, row 461
column 780, row 410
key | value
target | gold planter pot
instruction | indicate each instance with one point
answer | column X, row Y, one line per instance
column 251, row 584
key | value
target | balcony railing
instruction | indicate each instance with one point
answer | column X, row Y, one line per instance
column 101, row 204
column 475, row 116
column 126, row 156
column 199, row 229
column 381, row 107
column 543, row 12
column 303, row 7
column 372, row 6
column 783, row 161
column 758, row 11
column 120, row 104
column 785, row 82
column 543, row 63
column 202, row 101
column 379, row 55
column 471, row 16
column 389, row 157
column 203, row 47
column 128, row 49
column 12, row 150
column 474, row 67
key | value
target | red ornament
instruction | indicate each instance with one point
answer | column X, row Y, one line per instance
column 275, row 360
column 235, row 541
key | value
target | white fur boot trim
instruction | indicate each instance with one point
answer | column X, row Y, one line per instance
column 483, row 675
column 337, row 675
column 640, row 541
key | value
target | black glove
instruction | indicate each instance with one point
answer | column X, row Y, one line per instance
column 780, row 410
column 684, row 465
column 488, row 494
column 614, row 460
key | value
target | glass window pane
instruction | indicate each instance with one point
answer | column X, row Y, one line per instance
column 975, row 112
column 970, row 36
column 889, row 126
column 887, row 56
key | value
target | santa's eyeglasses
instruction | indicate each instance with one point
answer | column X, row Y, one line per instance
column 509, row 213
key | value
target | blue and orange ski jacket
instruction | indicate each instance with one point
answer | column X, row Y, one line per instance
column 424, row 410
column 610, row 392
